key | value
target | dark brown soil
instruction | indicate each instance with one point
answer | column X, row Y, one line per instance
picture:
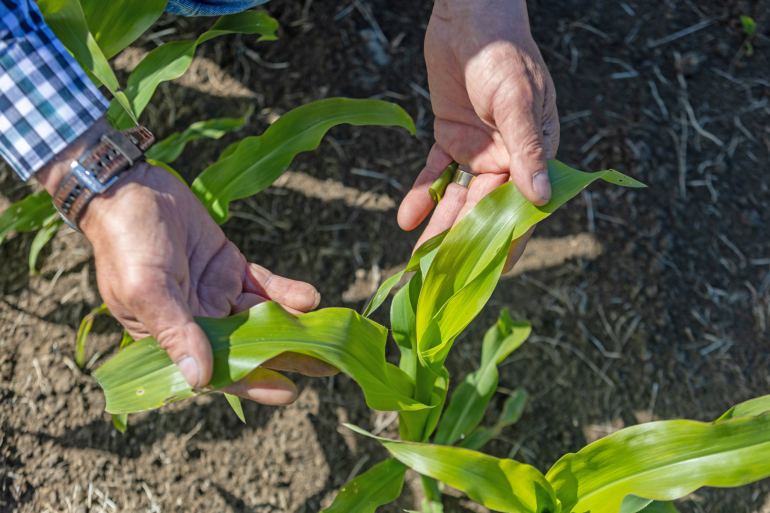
column 681, row 288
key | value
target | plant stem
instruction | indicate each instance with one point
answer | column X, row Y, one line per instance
column 430, row 486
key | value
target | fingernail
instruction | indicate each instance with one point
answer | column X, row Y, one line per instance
column 317, row 300
column 191, row 371
column 542, row 185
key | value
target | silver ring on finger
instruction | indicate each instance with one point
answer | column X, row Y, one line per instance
column 464, row 176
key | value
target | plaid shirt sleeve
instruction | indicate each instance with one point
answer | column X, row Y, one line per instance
column 46, row 100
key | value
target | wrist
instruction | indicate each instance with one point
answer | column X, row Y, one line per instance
column 472, row 13
column 50, row 175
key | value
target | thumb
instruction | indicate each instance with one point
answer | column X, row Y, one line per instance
column 164, row 313
column 518, row 114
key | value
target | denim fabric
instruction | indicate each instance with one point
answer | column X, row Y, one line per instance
column 210, row 7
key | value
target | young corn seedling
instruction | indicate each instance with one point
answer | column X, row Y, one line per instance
column 454, row 276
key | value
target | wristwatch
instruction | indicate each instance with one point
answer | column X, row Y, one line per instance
column 98, row 169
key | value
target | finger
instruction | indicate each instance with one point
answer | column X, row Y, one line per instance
column 292, row 294
column 446, row 212
column 482, row 151
column 517, row 249
column 518, row 113
column 161, row 307
column 264, row 386
column 302, row 363
column 247, row 301
column 480, row 187
column 418, row 202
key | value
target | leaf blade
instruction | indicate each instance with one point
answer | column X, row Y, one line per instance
column 258, row 161
column 170, row 148
column 171, row 60
column 142, row 376
column 27, row 215
column 376, row 487
column 502, row 485
column 41, row 239
column 235, row 403
column 132, row 16
column 662, row 461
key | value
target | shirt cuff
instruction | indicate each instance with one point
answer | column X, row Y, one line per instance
column 46, row 100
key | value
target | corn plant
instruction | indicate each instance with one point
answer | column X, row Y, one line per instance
column 454, row 276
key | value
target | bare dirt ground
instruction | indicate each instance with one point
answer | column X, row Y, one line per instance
column 676, row 277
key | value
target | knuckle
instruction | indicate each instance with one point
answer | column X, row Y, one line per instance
column 531, row 148
column 171, row 339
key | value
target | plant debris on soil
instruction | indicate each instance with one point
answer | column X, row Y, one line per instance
column 675, row 278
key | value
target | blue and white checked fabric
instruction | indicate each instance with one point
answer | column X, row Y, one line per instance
column 46, row 100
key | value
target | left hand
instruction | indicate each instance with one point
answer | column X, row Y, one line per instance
column 495, row 108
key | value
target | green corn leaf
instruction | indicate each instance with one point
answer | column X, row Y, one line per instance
column 84, row 330
column 749, row 408
column 512, row 410
column 379, row 485
column 460, row 309
column 468, row 263
column 118, row 23
column 257, row 162
column 120, row 421
column 660, row 507
column 438, row 188
column 418, row 425
column 402, row 312
column 499, row 484
column 432, row 491
column 235, row 402
column 424, row 250
column 749, row 25
column 470, row 399
column 67, row 21
column 50, row 228
column 432, row 506
column 126, row 340
column 171, row 60
column 29, row 214
column 142, row 377
column 166, row 167
column 662, row 461
column 228, row 151
column 633, row 504
column 170, row 148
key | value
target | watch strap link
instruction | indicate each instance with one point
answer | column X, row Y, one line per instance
column 98, row 169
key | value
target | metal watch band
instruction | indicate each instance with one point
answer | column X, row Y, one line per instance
column 98, row 169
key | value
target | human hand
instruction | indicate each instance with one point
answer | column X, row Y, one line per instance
column 495, row 108
column 161, row 259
